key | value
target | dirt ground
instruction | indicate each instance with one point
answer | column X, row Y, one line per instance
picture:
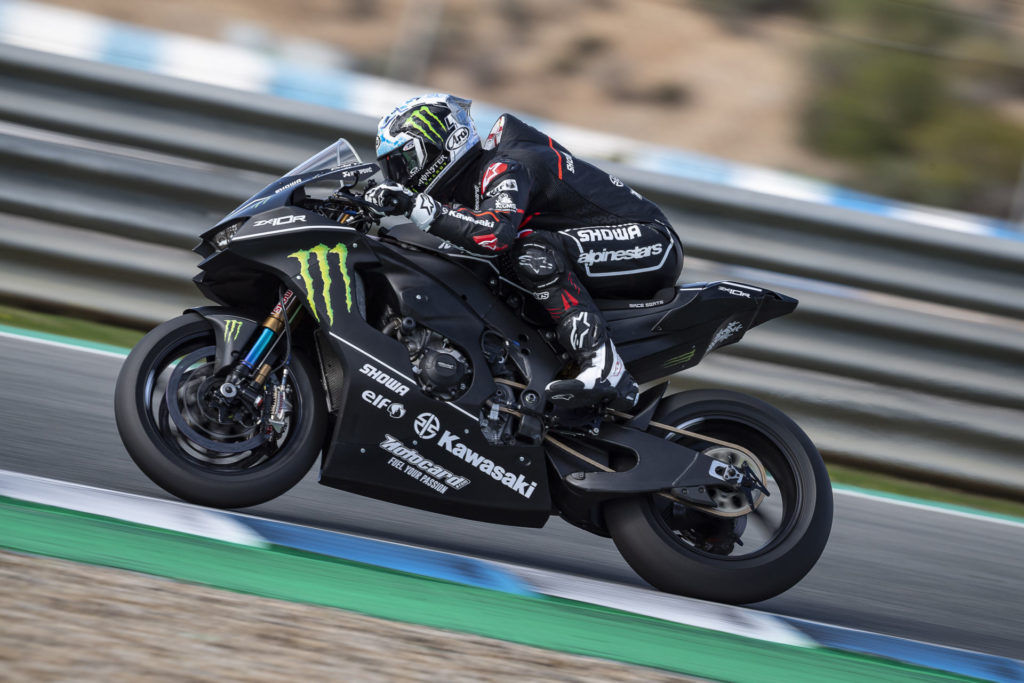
column 657, row 70
column 63, row 621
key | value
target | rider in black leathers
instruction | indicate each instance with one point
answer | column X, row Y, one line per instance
column 573, row 231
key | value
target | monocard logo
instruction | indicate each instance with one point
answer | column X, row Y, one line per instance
column 411, row 456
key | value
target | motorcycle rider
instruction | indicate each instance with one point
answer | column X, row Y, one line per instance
column 572, row 230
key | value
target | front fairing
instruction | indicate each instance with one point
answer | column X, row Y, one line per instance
column 337, row 163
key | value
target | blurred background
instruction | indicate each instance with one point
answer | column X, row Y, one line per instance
column 918, row 100
column 864, row 156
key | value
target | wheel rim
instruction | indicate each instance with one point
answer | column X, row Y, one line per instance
column 178, row 383
column 739, row 536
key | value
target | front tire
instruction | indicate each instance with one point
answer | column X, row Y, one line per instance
column 687, row 552
column 194, row 455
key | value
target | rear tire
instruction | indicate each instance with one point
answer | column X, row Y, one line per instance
column 202, row 475
column 670, row 560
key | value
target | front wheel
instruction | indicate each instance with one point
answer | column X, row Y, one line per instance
column 196, row 447
column 745, row 553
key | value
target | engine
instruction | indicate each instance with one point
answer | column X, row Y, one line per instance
column 441, row 369
column 444, row 372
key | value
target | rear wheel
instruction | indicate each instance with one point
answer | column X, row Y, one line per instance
column 195, row 446
column 746, row 549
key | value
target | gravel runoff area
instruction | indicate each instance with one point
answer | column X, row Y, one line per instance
column 62, row 621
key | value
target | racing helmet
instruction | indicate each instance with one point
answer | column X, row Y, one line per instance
column 423, row 139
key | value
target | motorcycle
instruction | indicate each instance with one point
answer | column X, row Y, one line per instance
column 417, row 370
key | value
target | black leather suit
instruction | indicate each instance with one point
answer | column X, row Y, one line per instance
column 574, row 231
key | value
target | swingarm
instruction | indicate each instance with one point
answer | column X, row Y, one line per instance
column 667, row 467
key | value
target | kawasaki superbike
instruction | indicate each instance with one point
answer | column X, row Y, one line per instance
column 415, row 371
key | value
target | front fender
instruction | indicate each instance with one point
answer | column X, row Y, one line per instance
column 232, row 328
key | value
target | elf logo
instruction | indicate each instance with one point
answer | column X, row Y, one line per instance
column 395, row 410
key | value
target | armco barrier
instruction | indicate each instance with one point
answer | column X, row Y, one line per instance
column 905, row 354
column 318, row 80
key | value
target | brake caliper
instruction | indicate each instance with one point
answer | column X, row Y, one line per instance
column 280, row 405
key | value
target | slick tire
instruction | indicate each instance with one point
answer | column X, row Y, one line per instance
column 667, row 562
column 171, row 467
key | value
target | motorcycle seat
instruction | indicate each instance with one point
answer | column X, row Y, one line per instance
column 661, row 298
column 664, row 300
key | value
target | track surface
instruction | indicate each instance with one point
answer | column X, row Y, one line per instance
column 948, row 579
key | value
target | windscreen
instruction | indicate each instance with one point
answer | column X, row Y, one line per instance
column 338, row 154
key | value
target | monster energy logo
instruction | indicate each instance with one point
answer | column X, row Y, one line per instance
column 232, row 328
column 680, row 359
column 423, row 120
column 320, row 254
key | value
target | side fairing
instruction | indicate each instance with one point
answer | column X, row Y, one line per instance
column 395, row 442
column 391, row 440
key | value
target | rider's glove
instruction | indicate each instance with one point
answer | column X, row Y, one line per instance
column 392, row 199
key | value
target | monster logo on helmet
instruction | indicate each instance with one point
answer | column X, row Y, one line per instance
column 423, row 139
column 423, row 120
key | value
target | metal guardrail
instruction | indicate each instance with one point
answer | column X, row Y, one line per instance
column 906, row 354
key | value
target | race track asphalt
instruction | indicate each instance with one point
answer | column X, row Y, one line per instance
column 916, row 573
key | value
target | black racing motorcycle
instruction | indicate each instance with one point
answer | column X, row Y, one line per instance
column 418, row 370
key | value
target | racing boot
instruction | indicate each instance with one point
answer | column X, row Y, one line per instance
column 603, row 378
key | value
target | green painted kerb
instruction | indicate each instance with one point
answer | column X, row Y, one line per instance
column 542, row 622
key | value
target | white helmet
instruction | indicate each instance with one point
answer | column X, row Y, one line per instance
column 424, row 138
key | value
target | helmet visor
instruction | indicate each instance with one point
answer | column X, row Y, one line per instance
column 404, row 163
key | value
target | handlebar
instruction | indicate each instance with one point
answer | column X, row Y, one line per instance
column 393, row 205
column 348, row 198
column 362, row 214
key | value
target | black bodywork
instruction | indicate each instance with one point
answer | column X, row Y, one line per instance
column 467, row 444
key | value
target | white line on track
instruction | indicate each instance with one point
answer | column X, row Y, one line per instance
column 63, row 345
column 923, row 505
